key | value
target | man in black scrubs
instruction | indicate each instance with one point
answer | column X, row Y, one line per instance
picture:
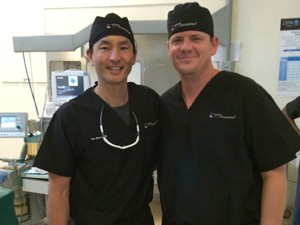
column 224, row 142
column 100, row 148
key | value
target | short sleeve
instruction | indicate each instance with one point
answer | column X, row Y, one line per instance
column 56, row 153
column 271, row 139
column 293, row 108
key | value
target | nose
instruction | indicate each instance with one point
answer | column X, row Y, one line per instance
column 186, row 45
column 115, row 55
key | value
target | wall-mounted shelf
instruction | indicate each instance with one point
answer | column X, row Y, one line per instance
column 70, row 42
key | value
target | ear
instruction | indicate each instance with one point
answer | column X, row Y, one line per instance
column 89, row 54
column 214, row 44
column 134, row 59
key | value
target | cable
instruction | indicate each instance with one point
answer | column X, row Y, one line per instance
column 29, row 82
column 45, row 98
column 42, row 125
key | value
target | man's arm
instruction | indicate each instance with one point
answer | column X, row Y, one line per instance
column 292, row 122
column 273, row 196
column 58, row 199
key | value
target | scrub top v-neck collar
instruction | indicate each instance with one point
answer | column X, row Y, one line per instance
column 206, row 88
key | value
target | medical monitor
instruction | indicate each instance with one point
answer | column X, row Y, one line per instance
column 13, row 125
column 66, row 85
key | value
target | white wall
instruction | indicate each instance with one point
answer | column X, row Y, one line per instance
column 256, row 24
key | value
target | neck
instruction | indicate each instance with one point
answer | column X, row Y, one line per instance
column 113, row 96
column 191, row 86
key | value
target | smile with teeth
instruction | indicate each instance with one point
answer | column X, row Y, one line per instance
column 115, row 68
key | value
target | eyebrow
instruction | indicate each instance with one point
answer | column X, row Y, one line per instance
column 125, row 42
column 189, row 36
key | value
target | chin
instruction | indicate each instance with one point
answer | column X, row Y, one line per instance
column 185, row 70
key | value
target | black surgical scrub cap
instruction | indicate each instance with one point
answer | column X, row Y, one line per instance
column 111, row 24
column 190, row 16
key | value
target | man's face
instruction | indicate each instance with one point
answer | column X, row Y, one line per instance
column 191, row 51
column 112, row 57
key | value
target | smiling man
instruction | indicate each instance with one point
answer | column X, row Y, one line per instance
column 99, row 148
column 224, row 142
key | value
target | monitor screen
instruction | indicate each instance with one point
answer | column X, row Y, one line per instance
column 67, row 85
column 13, row 124
column 8, row 122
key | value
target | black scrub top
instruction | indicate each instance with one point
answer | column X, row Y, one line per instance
column 108, row 185
column 211, row 155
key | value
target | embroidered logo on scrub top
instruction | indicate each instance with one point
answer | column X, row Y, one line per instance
column 220, row 116
column 150, row 124
column 96, row 138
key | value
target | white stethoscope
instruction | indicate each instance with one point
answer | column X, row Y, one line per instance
column 119, row 146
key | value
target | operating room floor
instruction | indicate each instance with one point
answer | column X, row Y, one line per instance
column 155, row 206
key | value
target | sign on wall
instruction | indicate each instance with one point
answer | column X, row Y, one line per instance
column 289, row 68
